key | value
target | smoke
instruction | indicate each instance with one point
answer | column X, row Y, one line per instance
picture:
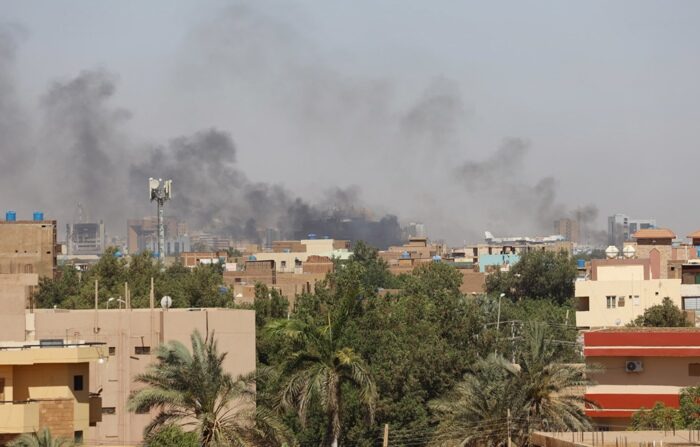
column 83, row 146
column 17, row 151
column 211, row 193
column 500, row 184
column 307, row 131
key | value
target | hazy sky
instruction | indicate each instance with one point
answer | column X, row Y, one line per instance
column 467, row 116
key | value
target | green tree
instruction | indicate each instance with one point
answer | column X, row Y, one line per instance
column 318, row 371
column 42, row 438
column 52, row 291
column 269, row 304
column 539, row 394
column 690, row 407
column 665, row 314
column 659, row 417
column 193, row 390
column 171, row 436
column 538, row 275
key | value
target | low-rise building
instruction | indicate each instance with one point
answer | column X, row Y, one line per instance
column 635, row 368
column 47, row 384
column 619, row 290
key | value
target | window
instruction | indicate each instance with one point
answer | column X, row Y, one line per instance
column 582, row 303
column 78, row 437
column 142, row 350
column 112, row 350
column 691, row 303
column 77, row 383
column 694, row 369
column 109, row 410
column 635, row 300
column 2, row 389
column 620, row 301
column 610, row 301
column 284, row 264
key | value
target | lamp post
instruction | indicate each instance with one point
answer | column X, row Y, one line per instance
column 498, row 320
column 109, row 301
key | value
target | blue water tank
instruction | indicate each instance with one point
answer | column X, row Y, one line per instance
column 11, row 216
column 252, row 258
column 38, row 216
column 405, row 255
column 581, row 263
column 437, row 258
column 118, row 254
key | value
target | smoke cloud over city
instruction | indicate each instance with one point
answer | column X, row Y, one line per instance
column 262, row 124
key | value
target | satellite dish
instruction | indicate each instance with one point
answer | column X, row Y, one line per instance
column 166, row 302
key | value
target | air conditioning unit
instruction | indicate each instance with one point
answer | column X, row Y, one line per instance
column 633, row 366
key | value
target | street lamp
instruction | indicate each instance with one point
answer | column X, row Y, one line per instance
column 120, row 301
column 109, row 301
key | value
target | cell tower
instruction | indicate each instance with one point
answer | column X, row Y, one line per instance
column 160, row 192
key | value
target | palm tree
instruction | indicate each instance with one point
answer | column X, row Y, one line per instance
column 497, row 398
column 192, row 390
column 41, row 438
column 317, row 369
column 553, row 390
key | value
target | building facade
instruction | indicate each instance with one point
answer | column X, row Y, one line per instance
column 619, row 290
column 636, row 368
column 46, row 384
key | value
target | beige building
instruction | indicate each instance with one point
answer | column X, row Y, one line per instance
column 619, row 290
column 130, row 337
column 290, row 255
column 28, row 247
column 46, row 384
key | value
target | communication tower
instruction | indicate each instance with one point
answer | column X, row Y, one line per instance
column 160, row 191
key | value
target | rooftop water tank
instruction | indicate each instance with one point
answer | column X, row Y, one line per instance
column 581, row 263
column 437, row 258
column 405, row 255
column 611, row 252
column 38, row 216
column 11, row 216
column 252, row 258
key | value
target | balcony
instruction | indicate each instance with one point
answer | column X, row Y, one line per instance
column 19, row 417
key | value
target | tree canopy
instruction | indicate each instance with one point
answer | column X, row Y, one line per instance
column 665, row 314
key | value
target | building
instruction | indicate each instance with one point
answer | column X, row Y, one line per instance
column 142, row 234
column 637, row 367
column 569, row 228
column 129, row 338
column 621, row 227
column 414, row 230
column 655, row 244
column 28, row 246
column 192, row 259
column 48, row 384
column 85, row 238
column 289, row 283
column 289, row 255
column 616, row 291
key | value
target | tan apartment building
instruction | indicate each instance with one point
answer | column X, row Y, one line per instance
column 46, row 384
column 191, row 259
column 619, row 290
column 28, row 247
column 130, row 337
column 569, row 228
column 289, row 283
column 290, row 255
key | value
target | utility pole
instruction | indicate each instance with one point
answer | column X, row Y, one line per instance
column 498, row 321
column 160, row 191
column 509, row 445
column 386, row 436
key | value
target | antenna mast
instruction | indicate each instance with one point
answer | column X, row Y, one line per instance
column 160, row 191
